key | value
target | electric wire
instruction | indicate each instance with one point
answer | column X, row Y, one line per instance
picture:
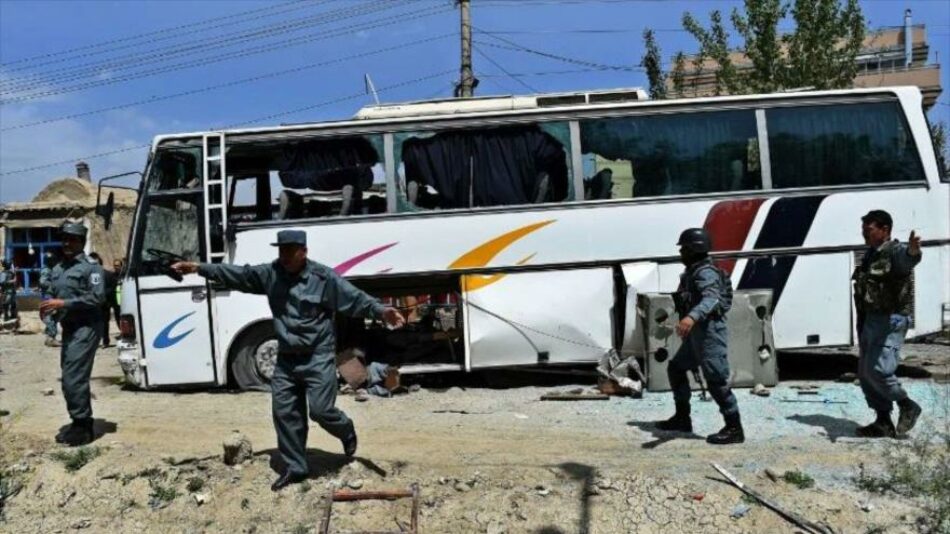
column 207, row 61
column 231, row 83
column 169, row 29
column 244, row 123
column 505, row 71
column 160, row 55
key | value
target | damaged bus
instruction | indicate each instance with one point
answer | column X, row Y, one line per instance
column 519, row 231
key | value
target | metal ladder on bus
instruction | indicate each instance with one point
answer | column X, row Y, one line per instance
column 215, row 199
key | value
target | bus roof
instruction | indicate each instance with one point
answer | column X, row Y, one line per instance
column 500, row 106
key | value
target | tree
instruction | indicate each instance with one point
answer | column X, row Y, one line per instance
column 714, row 44
column 678, row 75
column 819, row 53
column 759, row 30
column 938, row 131
column 822, row 48
column 652, row 62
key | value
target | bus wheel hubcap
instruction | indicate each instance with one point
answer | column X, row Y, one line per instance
column 265, row 357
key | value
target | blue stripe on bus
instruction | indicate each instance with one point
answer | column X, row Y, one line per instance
column 786, row 225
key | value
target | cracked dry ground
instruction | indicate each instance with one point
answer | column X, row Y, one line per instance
column 509, row 463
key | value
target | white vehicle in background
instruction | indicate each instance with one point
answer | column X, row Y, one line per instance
column 516, row 230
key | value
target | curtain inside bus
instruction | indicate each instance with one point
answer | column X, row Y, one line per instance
column 677, row 154
column 328, row 164
column 841, row 145
column 490, row 167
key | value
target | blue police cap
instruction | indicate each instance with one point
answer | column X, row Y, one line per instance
column 72, row 228
column 291, row 237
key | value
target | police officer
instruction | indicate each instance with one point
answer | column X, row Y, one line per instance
column 49, row 261
column 702, row 300
column 8, row 291
column 883, row 297
column 303, row 295
column 77, row 291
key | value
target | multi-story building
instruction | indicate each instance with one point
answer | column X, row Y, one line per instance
column 890, row 56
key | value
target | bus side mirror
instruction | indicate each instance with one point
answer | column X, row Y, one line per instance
column 106, row 210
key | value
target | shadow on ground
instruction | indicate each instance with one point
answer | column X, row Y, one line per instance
column 835, row 427
column 322, row 463
column 661, row 436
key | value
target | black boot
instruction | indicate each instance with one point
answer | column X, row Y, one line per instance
column 731, row 433
column 909, row 413
column 349, row 444
column 882, row 427
column 78, row 434
column 680, row 422
column 287, row 479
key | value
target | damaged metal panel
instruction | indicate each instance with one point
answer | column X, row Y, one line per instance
column 537, row 318
column 643, row 277
column 752, row 357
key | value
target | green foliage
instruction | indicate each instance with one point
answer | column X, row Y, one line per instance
column 161, row 495
column 917, row 468
column 819, row 53
column 300, row 529
column 678, row 75
column 826, row 40
column 938, row 132
column 759, row 30
column 195, row 484
column 74, row 459
column 652, row 63
column 799, row 479
column 304, row 487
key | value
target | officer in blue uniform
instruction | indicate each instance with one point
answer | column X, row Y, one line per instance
column 883, row 295
column 8, row 291
column 303, row 295
column 78, row 291
column 702, row 300
column 49, row 261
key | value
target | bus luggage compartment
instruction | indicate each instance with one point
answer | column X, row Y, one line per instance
column 752, row 357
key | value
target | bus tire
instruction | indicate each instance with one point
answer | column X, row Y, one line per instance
column 252, row 362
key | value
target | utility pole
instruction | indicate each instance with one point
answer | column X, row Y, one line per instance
column 467, row 82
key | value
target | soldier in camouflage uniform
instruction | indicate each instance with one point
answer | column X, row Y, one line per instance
column 78, row 291
column 303, row 296
column 884, row 301
column 702, row 300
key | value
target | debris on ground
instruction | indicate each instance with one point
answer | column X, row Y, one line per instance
column 574, row 395
column 761, row 391
column 49, row 392
column 740, row 510
column 237, row 449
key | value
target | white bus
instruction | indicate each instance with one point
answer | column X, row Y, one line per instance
column 514, row 230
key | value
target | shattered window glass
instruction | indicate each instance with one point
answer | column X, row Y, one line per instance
column 172, row 225
column 176, row 168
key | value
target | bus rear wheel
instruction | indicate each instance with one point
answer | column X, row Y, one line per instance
column 253, row 364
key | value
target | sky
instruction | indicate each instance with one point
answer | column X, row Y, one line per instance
column 96, row 80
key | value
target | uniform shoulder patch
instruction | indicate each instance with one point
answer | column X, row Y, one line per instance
column 95, row 279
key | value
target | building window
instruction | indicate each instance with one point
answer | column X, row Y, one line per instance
column 841, row 145
column 26, row 250
column 685, row 153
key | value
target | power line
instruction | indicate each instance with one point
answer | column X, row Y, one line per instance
column 297, row 3
column 252, row 121
column 161, row 55
column 504, row 70
column 207, row 61
column 565, row 59
column 232, row 83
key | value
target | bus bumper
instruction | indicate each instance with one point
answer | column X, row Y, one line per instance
column 130, row 360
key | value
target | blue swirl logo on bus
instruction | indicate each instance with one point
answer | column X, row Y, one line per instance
column 165, row 339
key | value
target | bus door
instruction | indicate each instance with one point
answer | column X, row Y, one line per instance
column 183, row 216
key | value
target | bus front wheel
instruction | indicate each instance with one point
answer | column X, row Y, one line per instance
column 253, row 364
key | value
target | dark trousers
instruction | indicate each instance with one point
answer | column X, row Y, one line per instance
column 9, row 307
column 75, row 360
column 303, row 383
column 704, row 347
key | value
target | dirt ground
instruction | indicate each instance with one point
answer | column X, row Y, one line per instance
column 486, row 460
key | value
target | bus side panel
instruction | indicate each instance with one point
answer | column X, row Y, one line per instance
column 816, row 303
column 531, row 318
